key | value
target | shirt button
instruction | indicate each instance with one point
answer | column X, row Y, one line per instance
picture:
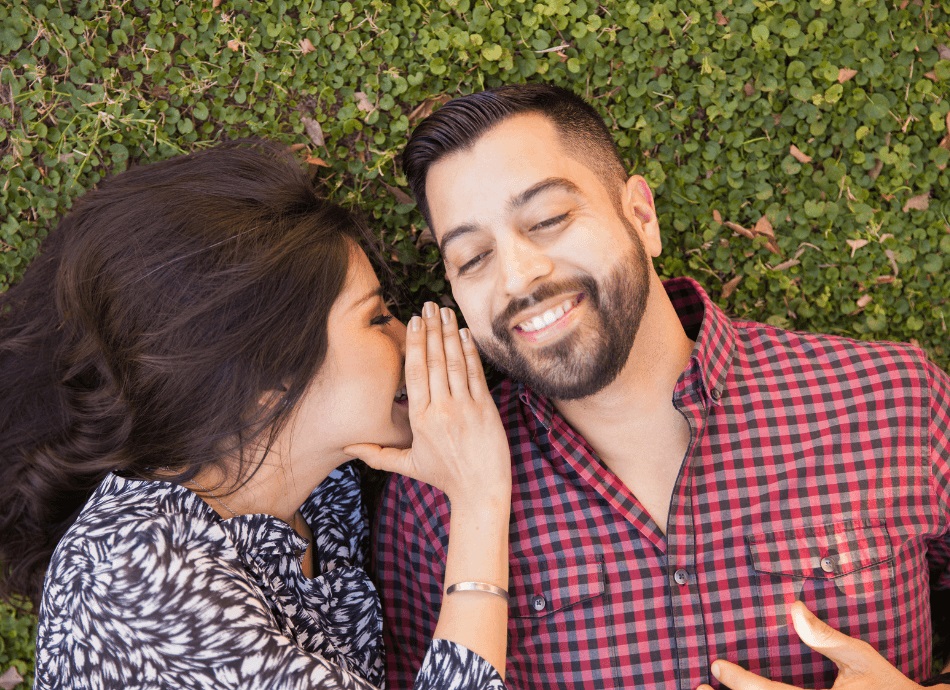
column 716, row 394
column 538, row 603
column 828, row 564
column 681, row 577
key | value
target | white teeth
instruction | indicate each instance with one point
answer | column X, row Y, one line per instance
column 547, row 318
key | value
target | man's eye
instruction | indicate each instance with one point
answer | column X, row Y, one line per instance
column 472, row 263
column 550, row 222
column 382, row 319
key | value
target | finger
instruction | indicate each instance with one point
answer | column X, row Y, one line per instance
column 435, row 352
column 737, row 678
column 455, row 364
column 387, row 459
column 417, row 371
column 477, row 385
column 850, row 654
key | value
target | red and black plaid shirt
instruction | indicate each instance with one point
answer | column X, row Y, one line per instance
column 818, row 469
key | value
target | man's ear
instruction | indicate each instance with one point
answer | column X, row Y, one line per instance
column 640, row 211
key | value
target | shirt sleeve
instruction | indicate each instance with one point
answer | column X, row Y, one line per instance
column 450, row 666
column 411, row 538
column 939, row 552
column 156, row 607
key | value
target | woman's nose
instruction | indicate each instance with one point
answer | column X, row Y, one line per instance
column 398, row 330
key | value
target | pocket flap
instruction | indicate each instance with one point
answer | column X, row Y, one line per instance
column 820, row 551
column 540, row 588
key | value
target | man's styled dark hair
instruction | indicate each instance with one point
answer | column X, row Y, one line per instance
column 458, row 124
column 171, row 322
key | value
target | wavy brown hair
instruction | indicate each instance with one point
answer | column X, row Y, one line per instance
column 160, row 312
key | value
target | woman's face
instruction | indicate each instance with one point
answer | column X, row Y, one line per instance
column 358, row 396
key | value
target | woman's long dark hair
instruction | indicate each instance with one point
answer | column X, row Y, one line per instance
column 161, row 312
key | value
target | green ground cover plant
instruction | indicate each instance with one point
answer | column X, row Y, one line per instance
column 798, row 148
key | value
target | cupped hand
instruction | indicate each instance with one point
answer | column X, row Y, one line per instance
column 459, row 444
column 860, row 666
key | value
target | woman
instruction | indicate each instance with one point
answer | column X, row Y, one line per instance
column 186, row 372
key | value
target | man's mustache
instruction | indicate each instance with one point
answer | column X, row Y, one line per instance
column 585, row 284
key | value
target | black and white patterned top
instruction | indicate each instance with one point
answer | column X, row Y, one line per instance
column 150, row 588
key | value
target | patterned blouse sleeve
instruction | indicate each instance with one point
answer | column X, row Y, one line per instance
column 160, row 605
column 450, row 666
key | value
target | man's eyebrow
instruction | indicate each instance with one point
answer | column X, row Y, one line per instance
column 514, row 204
column 544, row 185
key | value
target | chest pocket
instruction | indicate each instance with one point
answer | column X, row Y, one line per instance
column 844, row 573
column 539, row 590
column 553, row 602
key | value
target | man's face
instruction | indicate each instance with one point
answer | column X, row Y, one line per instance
column 547, row 264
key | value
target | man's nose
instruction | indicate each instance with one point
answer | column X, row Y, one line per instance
column 523, row 263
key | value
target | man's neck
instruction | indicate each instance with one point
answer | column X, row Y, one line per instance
column 659, row 355
column 631, row 424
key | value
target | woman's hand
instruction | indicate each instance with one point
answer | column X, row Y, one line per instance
column 459, row 444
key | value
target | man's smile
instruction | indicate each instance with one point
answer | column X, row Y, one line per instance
column 544, row 323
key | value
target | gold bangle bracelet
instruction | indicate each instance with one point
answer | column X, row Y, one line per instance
column 477, row 587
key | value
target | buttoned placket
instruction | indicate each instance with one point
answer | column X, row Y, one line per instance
column 685, row 603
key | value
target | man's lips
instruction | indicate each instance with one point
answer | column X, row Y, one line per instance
column 543, row 319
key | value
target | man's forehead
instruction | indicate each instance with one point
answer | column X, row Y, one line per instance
column 508, row 159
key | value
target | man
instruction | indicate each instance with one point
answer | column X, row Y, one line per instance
column 679, row 480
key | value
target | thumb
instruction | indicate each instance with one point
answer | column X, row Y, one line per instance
column 850, row 654
column 379, row 458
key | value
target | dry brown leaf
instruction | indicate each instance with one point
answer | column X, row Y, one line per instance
column 932, row 76
column 876, row 170
column 400, row 196
column 943, row 51
column 363, row 103
column 745, row 232
column 215, row 4
column 717, row 216
column 774, row 248
column 845, row 74
column 921, row 202
column 884, row 279
column 234, row 44
column 764, row 227
column 424, row 109
column 10, row 678
column 889, row 253
column 856, row 245
column 863, row 301
column 798, row 155
column 730, row 287
column 786, row 264
column 721, row 19
column 425, row 237
column 306, row 46
column 314, row 160
column 748, row 89
column 313, row 129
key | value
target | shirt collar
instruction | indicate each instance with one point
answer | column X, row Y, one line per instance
column 704, row 322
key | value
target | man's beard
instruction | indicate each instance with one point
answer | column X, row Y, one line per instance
column 589, row 359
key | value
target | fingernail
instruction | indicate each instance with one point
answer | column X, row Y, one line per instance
column 415, row 323
column 446, row 315
column 428, row 309
column 715, row 669
column 464, row 335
